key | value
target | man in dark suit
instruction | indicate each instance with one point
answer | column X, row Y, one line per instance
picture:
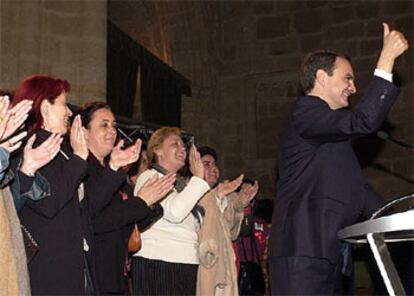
column 321, row 188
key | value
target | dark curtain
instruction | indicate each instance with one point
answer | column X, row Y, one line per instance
column 161, row 101
column 161, row 86
column 122, row 82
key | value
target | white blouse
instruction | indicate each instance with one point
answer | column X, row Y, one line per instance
column 173, row 238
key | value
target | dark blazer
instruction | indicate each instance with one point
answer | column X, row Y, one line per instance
column 59, row 222
column 321, row 188
column 112, row 225
column 56, row 224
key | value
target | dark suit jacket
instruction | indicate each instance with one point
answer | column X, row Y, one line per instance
column 58, row 224
column 321, row 188
column 112, row 224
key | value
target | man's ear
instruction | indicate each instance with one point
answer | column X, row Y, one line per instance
column 321, row 77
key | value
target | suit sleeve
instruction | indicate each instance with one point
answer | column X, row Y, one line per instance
column 64, row 180
column 100, row 188
column 117, row 215
column 316, row 122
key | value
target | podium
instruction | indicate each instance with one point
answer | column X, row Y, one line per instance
column 377, row 232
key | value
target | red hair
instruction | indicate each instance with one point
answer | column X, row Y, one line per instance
column 38, row 88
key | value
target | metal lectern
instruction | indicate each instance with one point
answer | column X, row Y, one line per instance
column 377, row 231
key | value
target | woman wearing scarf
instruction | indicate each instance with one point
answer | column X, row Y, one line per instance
column 168, row 261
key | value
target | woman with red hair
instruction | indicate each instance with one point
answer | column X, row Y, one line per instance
column 59, row 222
column 14, row 277
column 45, row 91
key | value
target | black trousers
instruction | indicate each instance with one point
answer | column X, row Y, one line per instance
column 304, row 276
column 156, row 277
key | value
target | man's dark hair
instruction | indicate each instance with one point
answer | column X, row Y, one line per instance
column 205, row 150
column 318, row 60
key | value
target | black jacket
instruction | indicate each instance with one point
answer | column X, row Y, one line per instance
column 112, row 226
column 58, row 223
column 321, row 188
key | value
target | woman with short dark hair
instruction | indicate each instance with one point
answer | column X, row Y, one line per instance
column 115, row 209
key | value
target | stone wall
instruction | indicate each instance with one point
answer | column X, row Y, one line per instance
column 65, row 39
column 242, row 58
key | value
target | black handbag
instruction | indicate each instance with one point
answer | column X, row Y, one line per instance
column 251, row 279
column 29, row 244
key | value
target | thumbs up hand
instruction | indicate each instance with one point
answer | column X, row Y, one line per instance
column 394, row 44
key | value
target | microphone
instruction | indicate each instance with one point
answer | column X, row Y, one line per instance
column 384, row 136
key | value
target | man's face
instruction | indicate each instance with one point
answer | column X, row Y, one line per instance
column 211, row 171
column 340, row 85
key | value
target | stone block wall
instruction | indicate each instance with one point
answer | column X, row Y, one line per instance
column 65, row 39
column 243, row 57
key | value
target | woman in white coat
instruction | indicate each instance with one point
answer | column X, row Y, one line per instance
column 168, row 261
